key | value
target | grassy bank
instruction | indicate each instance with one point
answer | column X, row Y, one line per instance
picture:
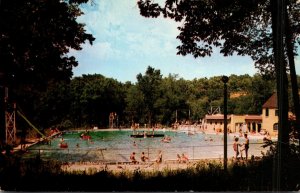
column 38, row 175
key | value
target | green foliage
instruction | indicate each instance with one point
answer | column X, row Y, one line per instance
column 34, row 42
column 240, row 27
column 93, row 98
column 149, row 86
column 66, row 124
column 134, row 105
column 17, row 173
column 205, row 175
column 52, row 105
column 88, row 100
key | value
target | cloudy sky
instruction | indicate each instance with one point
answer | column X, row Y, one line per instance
column 127, row 43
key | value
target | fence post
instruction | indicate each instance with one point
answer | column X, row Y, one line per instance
column 193, row 153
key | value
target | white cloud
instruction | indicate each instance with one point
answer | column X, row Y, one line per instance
column 97, row 51
column 119, row 22
column 126, row 43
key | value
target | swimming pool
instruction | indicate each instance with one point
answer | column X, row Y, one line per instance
column 117, row 145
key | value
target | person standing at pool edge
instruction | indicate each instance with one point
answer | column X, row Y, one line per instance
column 246, row 145
column 236, row 147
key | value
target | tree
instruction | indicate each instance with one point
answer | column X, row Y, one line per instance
column 244, row 27
column 134, row 105
column 253, row 28
column 53, row 106
column 174, row 99
column 149, row 85
column 94, row 97
column 35, row 38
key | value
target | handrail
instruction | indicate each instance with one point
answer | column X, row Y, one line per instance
column 29, row 123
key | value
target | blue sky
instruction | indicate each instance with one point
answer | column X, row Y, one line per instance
column 127, row 43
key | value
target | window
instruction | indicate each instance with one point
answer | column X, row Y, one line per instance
column 275, row 127
column 276, row 112
column 267, row 112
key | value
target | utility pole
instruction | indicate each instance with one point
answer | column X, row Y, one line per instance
column 225, row 80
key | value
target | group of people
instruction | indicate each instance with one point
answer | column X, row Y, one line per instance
column 244, row 147
column 144, row 158
column 182, row 159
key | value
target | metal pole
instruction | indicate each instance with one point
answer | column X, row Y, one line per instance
column 193, row 153
column 225, row 80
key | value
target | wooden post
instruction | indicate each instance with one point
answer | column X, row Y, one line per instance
column 225, row 80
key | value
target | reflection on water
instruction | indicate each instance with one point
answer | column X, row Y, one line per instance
column 116, row 146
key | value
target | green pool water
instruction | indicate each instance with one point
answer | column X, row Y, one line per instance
column 116, row 146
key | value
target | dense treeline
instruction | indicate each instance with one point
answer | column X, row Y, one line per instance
column 88, row 100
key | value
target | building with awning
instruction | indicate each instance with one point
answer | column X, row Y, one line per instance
column 267, row 121
column 254, row 123
column 215, row 122
column 235, row 123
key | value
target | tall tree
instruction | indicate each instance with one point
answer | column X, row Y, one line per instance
column 134, row 105
column 174, row 99
column 291, row 19
column 244, row 27
column 149, row 85
column 94, row 98
column 254, row 28
column 35, row 38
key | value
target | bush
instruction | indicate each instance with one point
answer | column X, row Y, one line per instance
column 38, row 175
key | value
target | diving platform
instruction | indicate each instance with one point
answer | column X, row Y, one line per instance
column 146, row 135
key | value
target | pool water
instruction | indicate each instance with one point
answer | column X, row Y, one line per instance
column 116, row 146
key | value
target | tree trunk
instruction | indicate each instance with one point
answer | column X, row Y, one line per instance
column 278, row 7
column 290, row 54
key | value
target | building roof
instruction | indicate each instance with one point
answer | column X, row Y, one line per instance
column 271, row 103
column 253, row 117
column 216, row 117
